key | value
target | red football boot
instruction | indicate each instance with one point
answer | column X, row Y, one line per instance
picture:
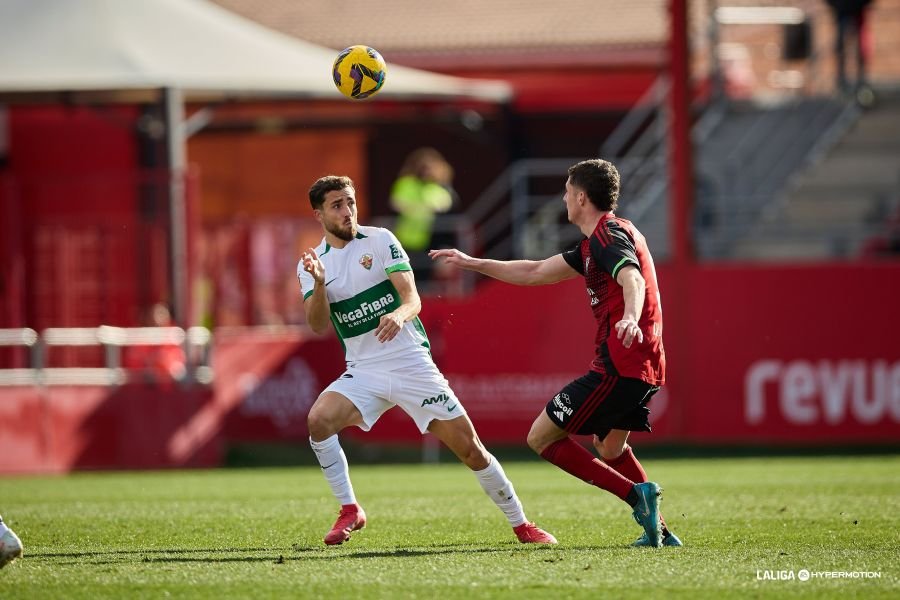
column 529, row 533
column 349, row 520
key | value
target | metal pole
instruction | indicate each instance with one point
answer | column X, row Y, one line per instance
column 177, row 161
column 519, row 195
column 681, row 222
column 682, row 169
column 714, row 34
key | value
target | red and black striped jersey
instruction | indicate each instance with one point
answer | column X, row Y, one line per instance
column 614, row 244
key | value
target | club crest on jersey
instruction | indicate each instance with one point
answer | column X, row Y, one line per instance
column 366, row 261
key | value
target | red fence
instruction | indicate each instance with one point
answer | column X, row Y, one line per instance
column 59, row 428
column 791, row 354
column 775, row 355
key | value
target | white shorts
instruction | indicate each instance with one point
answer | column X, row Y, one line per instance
column 419, row 389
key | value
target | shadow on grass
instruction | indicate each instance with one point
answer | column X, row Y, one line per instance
column 296, row 553
column 148, row 551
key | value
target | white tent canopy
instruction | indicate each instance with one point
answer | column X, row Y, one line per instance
column 191, row 45
column 192, row 49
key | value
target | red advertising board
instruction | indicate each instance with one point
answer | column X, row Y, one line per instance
column 805, row 354
column 766, row 354
column 269, row 381
column 61, row 428
column 774, row 355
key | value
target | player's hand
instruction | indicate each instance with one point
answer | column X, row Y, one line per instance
column 628, row 331
column 312, row 265
column 453, row 257
column 388, row 327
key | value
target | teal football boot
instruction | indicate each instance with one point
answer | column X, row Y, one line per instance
column 671, row 540
column 646, row 512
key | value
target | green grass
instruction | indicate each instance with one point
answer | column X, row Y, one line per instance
column 433, row 534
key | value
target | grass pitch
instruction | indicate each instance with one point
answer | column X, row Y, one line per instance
column 432, row 533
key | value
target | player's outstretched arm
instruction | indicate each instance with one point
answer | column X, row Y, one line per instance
column 518, row 272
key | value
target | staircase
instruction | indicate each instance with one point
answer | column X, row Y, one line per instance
column 844, row 196
column 745, row 164
column 806, row 178
column 522, row 215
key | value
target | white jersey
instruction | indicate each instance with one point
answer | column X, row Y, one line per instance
column 360, row 293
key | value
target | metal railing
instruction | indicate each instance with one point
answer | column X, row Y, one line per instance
column 458, row 231
column 533, row 225
column 195, row 342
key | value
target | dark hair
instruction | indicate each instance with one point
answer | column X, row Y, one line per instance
column 323, row 185
column 600, row 181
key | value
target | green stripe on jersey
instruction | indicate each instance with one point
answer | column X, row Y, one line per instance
column 398, row 267
column 619, row 265
column 362, row 313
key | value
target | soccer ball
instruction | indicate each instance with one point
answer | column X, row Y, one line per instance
column 359, row 72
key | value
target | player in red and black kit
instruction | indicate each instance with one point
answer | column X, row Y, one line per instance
column 611, row 400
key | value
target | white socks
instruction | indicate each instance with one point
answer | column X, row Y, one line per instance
column 334, row 466
column 492, row 479
column 500, row 489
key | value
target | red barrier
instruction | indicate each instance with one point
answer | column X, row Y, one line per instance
column 770, row 358
column 60, row 428
column 772, row 355
column 791, row 355
column 269, row 382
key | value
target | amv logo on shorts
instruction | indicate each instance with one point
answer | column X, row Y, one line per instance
column 441, row 398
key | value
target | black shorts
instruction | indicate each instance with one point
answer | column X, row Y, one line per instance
column 595, row 404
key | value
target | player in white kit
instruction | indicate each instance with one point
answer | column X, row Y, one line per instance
column 10, row 545
column 359, row 280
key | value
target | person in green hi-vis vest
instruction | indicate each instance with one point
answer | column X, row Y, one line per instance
column 422, row 189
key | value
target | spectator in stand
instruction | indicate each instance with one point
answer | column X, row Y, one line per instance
column 422, row 190
column 849, row 19
column 160, row 363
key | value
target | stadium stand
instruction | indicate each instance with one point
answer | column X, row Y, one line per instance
column 807, row 178
column 842, row 200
